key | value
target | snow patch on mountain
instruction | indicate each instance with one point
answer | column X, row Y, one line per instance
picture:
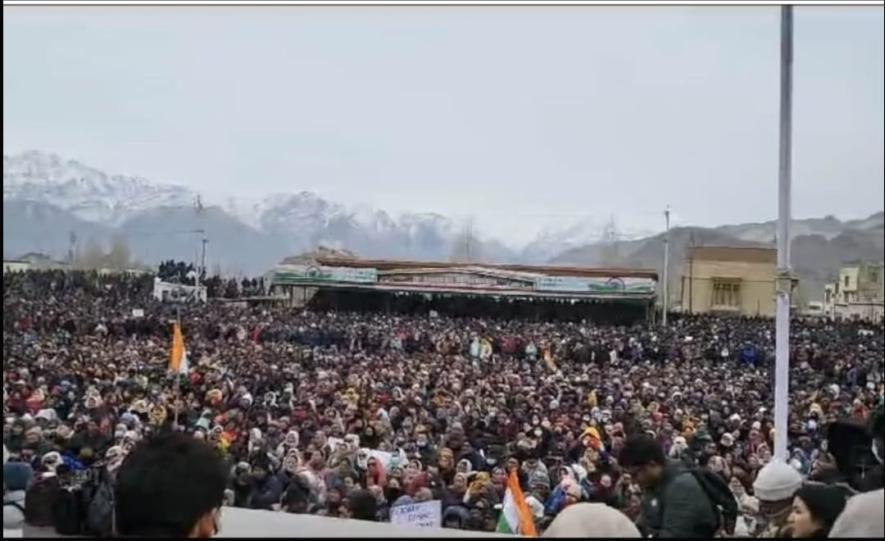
column 86, row 192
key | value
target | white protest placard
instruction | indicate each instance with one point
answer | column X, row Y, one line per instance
column 423, row 515
column 137, row 312
column 383, row 457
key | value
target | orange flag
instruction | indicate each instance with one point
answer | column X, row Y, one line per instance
column 516, row 517
column 178, row 356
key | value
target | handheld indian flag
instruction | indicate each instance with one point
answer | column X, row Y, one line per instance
column 178, row 356
column 516, row 517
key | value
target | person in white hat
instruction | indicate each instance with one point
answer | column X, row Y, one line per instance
column 775, row 487
column 592, row 520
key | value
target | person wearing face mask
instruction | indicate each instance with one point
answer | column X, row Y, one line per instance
column 426, row 450
column 775, row 487
column 170, row 486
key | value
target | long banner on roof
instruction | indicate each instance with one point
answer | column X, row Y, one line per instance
column 297, row 274
column 479, row 279
column 603, row 286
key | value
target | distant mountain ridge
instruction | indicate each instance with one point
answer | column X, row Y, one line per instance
column 819, row 247
column 48, row 200
column 161, row 221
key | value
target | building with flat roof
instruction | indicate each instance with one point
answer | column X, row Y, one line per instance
column 15, row 265
column 858, row 292
column 350, row 283
column 729, row 280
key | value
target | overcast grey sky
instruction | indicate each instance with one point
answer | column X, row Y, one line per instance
column 523, row 117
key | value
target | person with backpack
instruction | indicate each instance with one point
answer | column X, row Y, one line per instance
column 678, row 501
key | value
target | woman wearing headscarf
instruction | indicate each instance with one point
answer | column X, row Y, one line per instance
column 290, row 442
column 446, row 464
column 454, row 493
column 376, row 475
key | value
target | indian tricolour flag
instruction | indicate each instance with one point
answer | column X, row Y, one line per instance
column 178, row 355
column 516, row 517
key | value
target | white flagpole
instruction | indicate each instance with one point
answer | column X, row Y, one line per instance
column 784, row 282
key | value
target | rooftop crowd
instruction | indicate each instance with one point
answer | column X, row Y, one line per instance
column 351, row 414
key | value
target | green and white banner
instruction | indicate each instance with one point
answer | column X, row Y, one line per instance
column 300, row 274
column 603, row 286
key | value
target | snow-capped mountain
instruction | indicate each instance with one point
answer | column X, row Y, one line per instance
column 552, row 241
column 95, row 196
column 284, row 223
column 84, row 191
column 48, row 201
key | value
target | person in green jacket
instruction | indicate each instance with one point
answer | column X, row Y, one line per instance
column 674, row 504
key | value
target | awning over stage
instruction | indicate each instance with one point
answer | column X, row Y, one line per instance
column 483, row 280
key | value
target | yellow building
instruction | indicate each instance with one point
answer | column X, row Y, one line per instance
column 735, row 280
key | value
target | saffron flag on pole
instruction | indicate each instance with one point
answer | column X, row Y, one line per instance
column 178, row 356
column 516, row 517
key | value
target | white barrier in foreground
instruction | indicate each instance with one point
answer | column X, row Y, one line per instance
column 250, row 523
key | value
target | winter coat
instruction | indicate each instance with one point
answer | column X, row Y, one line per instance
column 678, row 507
column 266, row 493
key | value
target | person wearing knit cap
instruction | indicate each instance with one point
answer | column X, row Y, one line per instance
column 775, row 487
column 815, row 509
column 591, row 520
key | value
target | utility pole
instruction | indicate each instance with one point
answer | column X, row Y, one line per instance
column 468, row 240
column 198, row 206
column 202, row 266
column 203, row 254
column 665, row 306
column 784, row 281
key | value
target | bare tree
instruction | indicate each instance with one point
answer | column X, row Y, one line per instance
column 120, row 255
column 610, row 240
column 72, row 246
column 91, row 257
column 466, row 248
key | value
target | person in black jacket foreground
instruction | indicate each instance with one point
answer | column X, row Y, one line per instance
column 875, row 478
column 170, row 486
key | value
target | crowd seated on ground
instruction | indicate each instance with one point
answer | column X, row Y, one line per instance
column 348, row 414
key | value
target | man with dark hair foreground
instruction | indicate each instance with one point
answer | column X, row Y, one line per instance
column 674, row 504
column 170, row 486
column 875, row 478
column 363, row 506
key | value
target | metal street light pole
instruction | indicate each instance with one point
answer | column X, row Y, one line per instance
column 784, row 281
column 665, row 305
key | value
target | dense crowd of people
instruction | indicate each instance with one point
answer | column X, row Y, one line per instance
column 352, row 414
column 179, row 272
